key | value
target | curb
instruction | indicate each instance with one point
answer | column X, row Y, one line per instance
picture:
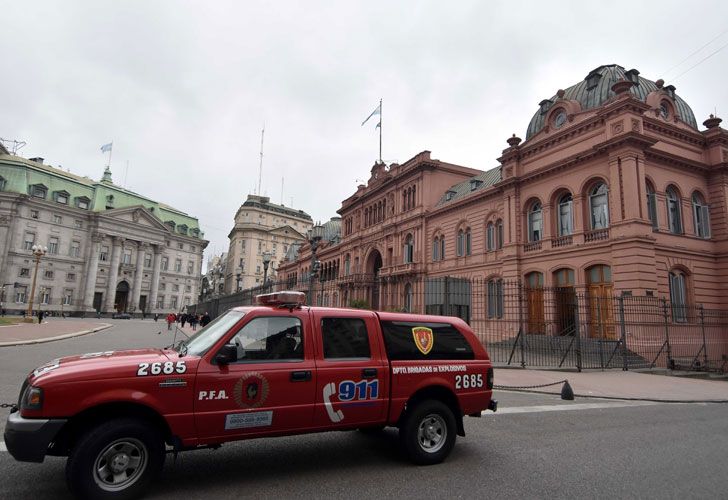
column 102, row 326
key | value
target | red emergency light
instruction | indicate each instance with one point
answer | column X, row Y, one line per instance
column 294, row 299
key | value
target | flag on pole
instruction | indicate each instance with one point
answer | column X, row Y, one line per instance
column 377, row 111
column 107, row 147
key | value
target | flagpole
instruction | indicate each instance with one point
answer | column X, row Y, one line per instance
column 110, row 150
column 380, row 131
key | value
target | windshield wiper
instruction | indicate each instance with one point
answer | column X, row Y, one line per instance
column 174, row 339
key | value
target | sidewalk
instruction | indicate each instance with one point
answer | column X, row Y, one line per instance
column 55, row 329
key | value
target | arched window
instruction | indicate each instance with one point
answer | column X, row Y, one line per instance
column 442, row 247
column 599, row 206
column 408, row 297
column 347, row 265
column 652, row 204
column 414, row 196
column 678, row 295
column 535, row 222
column 436, row 249
column 701, row 216
column 460, row 243
column 565, row 221
column 674, row 213
column 490, row 237
column 404, row 200
column 409, row 249
column 468, row 242
column 499, row 234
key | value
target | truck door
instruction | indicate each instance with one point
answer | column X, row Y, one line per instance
column 352, row 375
column 269, row 389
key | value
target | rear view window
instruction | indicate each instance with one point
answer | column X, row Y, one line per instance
column 428, row 341
column 345, row 338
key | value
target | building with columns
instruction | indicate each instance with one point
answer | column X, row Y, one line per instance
column 109, row 249
column 616, row 190
column 261, row 227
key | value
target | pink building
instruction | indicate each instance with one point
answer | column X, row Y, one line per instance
column 615, row 191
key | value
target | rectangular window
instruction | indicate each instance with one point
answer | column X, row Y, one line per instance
column 173, row 303
column 190, row 267
column 24, row 272
column 29, row 241
column 53, row 246
column 70, row 276
column 490, row 237
column 165, row 263
column 178, row 265
column 78, row 224
column 495, row 299
column 180, row 246
column 175, row 288
column 38, row 192
column 62, row 198
column 257, row 269
column 21, row 294
column 345, row 338
column 57, row 219
column 275, row 338
column 75, row 249
column 160, row 302
column 147, row 260
column 447, row 342
column 162, row 286
column 34, row 214
column 104, row 254
column 67, row 297
column 45, row 296
column 83, row 204
column 126, row 258
column 188, row 288
column 48, row 274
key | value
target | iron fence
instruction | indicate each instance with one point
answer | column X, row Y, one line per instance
column 575, row 327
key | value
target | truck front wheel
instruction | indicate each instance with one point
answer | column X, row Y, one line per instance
column 115, row 460
column 428, row 432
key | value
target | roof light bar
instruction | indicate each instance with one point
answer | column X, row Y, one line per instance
column 281, row 299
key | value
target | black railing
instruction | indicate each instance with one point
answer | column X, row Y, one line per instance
column 534, row 326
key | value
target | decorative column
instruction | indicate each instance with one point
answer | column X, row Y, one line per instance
column 138, row 273
column 155, row 277
column 118, row 244
column 91, row 271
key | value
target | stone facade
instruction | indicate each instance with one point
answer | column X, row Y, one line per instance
column 615, row 190
column 261, row 226
column 109, row 249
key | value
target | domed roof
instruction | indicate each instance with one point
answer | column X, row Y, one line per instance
column 596, row 89
column 332, row 230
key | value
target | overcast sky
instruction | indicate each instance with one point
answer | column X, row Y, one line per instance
column 184, row 88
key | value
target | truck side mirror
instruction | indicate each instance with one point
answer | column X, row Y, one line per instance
column 227, row 354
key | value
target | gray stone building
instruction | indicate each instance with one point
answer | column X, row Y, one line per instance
column 108, row 249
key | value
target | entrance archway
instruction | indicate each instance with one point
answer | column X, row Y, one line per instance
column 373, row 265
column 121, row 300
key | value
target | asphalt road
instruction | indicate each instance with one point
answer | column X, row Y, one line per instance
column 536, row 446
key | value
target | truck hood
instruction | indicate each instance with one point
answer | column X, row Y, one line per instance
column 98, row 365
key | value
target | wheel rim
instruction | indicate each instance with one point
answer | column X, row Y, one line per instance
column 432, row 433
column 120, row 464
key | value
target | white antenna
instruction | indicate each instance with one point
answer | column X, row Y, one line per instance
column 260, row 169
column 281, row 190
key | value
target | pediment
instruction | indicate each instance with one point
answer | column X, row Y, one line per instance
column 292, row 233
column 135, row 215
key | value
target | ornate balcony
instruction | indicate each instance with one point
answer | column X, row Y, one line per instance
column 532, row 246
column 596, row 235
column 562, row 241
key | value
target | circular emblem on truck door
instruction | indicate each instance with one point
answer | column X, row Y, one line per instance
column 251, row 390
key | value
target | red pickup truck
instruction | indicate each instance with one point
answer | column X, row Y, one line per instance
column 277, row 368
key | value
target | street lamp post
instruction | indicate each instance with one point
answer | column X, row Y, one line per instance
column 314, row 237
column 266, row 262
column 38, row 252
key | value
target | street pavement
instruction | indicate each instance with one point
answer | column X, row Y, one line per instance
column 657, row 385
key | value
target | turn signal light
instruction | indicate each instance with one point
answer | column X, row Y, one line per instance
column 281, row 299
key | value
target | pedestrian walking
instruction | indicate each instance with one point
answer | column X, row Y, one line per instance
column 156, row 317
column 170, row 319
column 40, row 317
column 205, row 319
column 184, row 320
column 193, row 321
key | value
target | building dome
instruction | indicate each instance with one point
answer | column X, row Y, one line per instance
column 596, row 89
column 332, row 230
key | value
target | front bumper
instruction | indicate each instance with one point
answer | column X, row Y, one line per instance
column 27, row 439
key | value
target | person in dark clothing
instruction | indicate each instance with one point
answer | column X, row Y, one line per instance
column 184, row 320
column 193, row 321
column 205, row 319
column 40, row 317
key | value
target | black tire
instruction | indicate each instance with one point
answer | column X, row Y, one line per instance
column 121, row 443
column 427, row 434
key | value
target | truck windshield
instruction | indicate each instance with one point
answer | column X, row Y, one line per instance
column 201, row 341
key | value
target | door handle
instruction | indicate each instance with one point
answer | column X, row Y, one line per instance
column 301, row 376
column 369, row 372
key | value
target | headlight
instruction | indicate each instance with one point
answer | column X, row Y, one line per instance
column 32, row 399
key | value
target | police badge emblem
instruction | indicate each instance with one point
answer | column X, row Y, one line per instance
column 424, row 339
column 251, row 390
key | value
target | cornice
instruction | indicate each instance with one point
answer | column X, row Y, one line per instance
column 674, row 160
column 626, row 139
column 666, row 129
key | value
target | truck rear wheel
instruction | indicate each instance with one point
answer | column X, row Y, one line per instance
column 428, row 432
column 115, row 460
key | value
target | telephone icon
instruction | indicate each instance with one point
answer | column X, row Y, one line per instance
column 334, row 415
